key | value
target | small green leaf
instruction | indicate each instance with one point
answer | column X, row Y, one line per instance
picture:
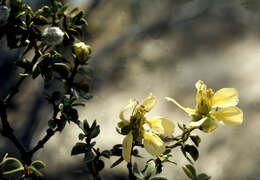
column 62, row 69
column 66, row 100
column 74, row 115
column 192, row 150
column 77, row 18
column 86, row 96
column 186, row 136
column 52, row 123
column 35, row 71
column 86, row 70
column 137, row 172
column 86, row 125
column 150, row 168
column 94, row 124
column 95, row 132
column 11, row 165
column 106, row 154
column 189, row 173
column 196, row 139
column 125, row 130
column 100, row 165
column 191, row 169
column 40, row 20
column 62, row 122
column 203, row 176
column 38, row 164
column 79, row 148
column 158, row 178
column 35, row 171
column 117, row 162
column 81, row 136
column 89, row 156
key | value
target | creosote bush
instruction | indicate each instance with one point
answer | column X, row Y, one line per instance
column 46, row 32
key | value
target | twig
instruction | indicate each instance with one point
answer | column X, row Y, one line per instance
column 8, row 131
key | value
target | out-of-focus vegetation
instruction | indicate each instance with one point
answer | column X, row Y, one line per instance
column 161, row 47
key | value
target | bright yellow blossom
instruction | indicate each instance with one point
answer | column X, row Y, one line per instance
column 212, row 106
column 136, row 132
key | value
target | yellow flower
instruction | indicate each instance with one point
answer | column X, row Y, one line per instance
column 136, row 132
column 82, row 51
column 212, row 106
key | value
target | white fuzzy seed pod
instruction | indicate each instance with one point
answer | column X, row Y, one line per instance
column 52, row 35
column 4, row 15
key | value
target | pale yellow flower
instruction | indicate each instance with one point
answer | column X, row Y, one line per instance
column 136, row 132
column 82, row 51
column 212, row 106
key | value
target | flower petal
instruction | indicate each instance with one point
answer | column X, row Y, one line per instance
column 187, row 110
column 229, row 116
column 127, row 147
column 131, row 103
column 197, row 123
column 161, row 125
column 153, row 144
column 149, row 102
column 225, row 97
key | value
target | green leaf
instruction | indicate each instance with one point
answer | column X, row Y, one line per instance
column 40, row 20
column 150, row 168
column 95, row 132
column 86, row 125
column 106, row 154
column 52, row 123
column 125, row 130
column 158, row 178
column 192, row 150
column 189, row 172
column 191, row 169
column 62, row 69
column 62, row 122
column 79, row 148
column 74, row 115
column 100, row 165
column 38, row 164
column 137, row 172
column 86, row 96
column 117, row 162
column 203, row 176
column 186, row 136
column 89, row 156
column 11, row 165
column 35, row 171
column 77, row 18
column 196, row 139
column 86, row 70
column 185, row 154
column 81, row 136
column 35, row 71
column 66, row 100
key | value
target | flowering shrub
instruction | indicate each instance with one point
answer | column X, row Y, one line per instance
column 49, row 27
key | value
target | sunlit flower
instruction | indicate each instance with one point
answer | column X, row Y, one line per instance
column 52, row 35
column 82, row 51
column 135, row 132
column 212, row 106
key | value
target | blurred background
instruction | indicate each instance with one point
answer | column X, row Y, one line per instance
column 163, row 47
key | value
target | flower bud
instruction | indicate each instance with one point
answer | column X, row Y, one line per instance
column 61, row 106
column 4, row 15
column 82, row 52
column 52, row 35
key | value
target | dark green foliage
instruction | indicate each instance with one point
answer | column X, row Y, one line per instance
column 191, row 173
